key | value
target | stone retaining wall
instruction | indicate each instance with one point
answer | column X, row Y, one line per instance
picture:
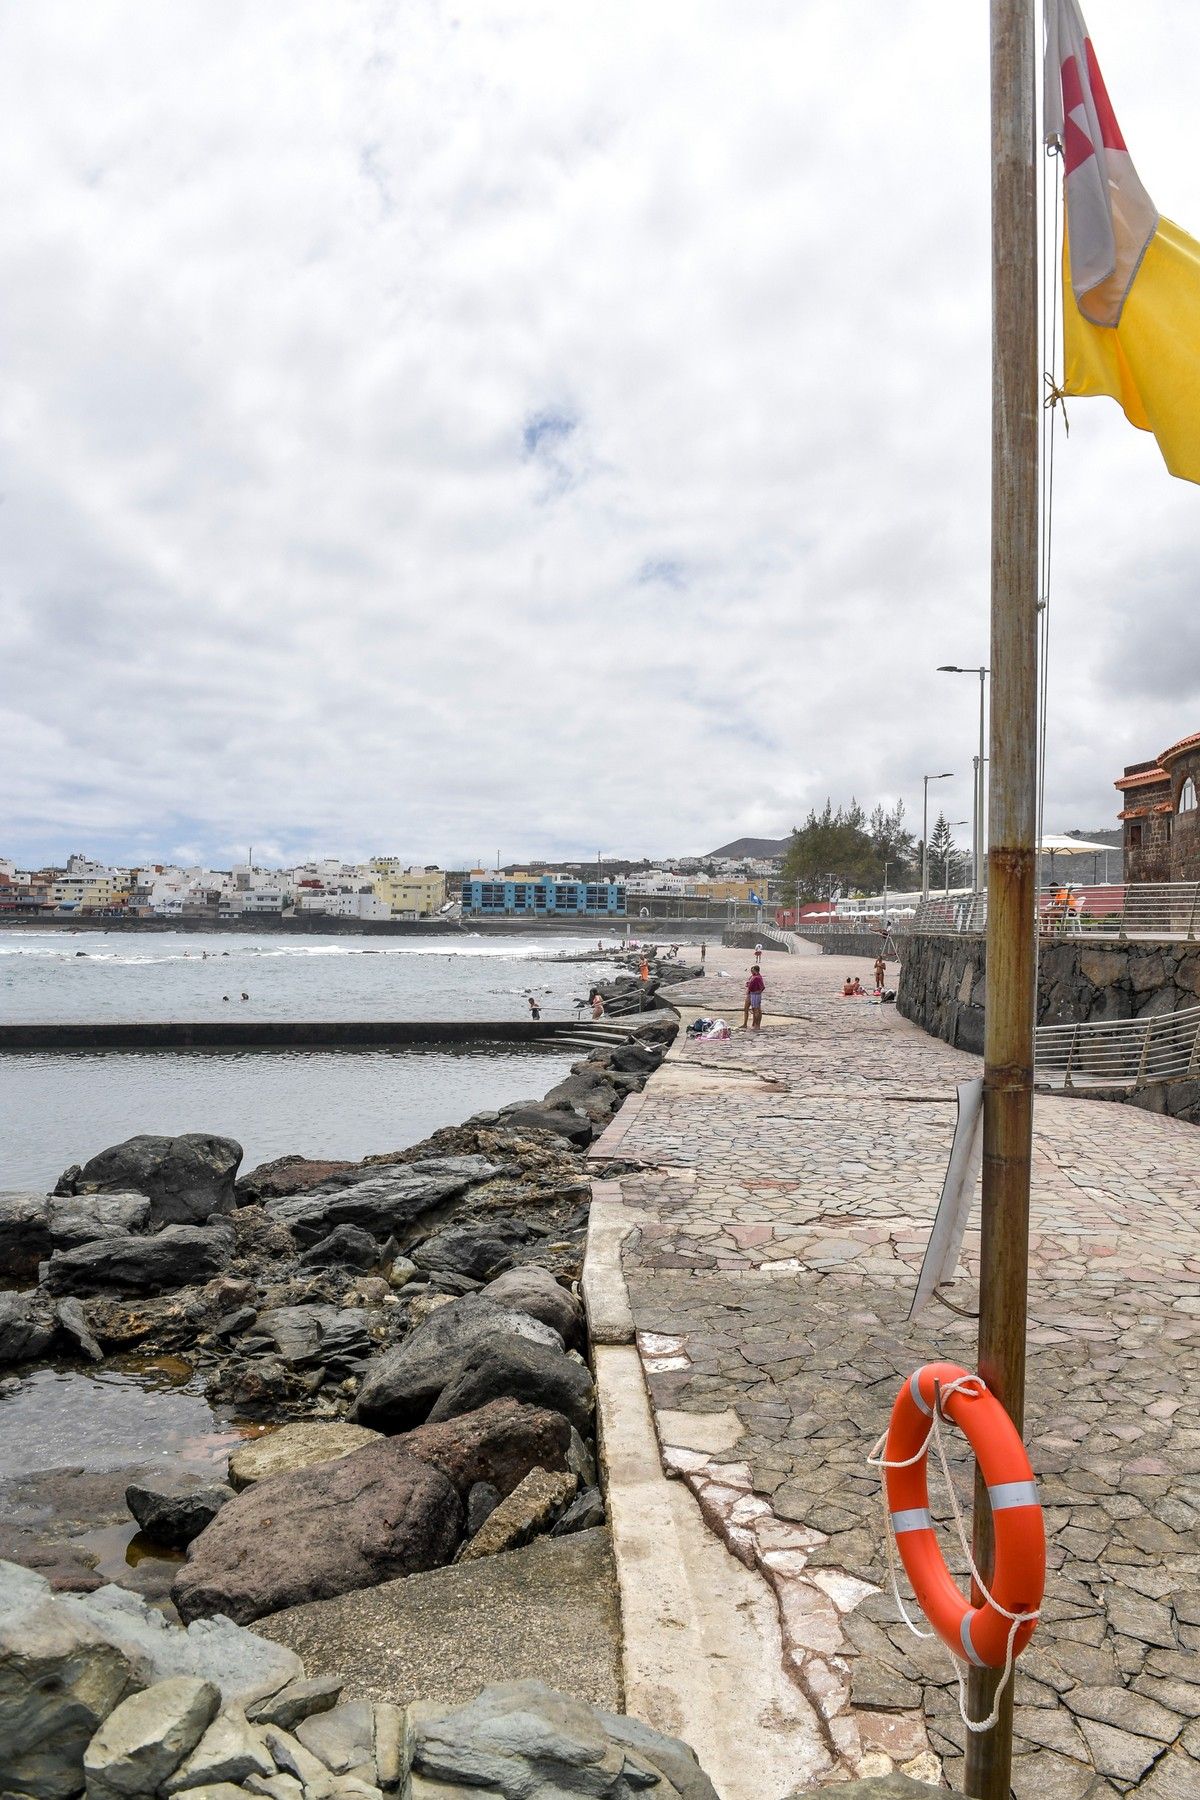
column 943, row 986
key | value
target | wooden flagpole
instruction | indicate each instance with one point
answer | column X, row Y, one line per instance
column 1012, row 821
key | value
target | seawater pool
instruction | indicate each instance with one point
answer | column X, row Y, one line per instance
column 62, row 1107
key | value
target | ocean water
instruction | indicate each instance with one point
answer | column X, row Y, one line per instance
column 59, row 1108
column 93, row 975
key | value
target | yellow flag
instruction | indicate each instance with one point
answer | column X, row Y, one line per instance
column 1131, row 279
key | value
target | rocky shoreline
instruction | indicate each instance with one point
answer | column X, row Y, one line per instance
column 412, row 1318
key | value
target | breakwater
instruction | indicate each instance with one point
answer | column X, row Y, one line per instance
column 280, row 1034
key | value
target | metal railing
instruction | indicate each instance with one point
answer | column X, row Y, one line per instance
column 1142, row 909
column 1124, row 1053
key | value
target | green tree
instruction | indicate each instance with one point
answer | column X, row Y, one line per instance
column 948, row 865
column 830, row 854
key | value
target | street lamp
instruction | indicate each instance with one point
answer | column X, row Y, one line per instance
column 980, row 810
column 946, row 775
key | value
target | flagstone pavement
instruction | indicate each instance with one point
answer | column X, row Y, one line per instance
column 779, row 1190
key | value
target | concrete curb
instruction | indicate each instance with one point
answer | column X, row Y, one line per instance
column 702, row 1648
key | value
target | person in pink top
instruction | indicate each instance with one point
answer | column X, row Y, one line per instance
column 752, row 1011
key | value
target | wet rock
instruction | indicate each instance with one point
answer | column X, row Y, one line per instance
column 272, row 1546
column 498, row 1366
column 81, row 1218
column 498, row 1444
column 187, row 1179
column 299, row 1446
column 26, row 1329
column 475, row 1250
column 72, row 1320
column 386, row 1201
column 528, row 1510
column 173, row 1258
column 347, row 1246
column 402, row 1384
column 298, row 1700
column 521, row 1737
column 532, row 1289
column 175, row 1516
column 146, row 1737
column 482, row 1502
column 585, row 1511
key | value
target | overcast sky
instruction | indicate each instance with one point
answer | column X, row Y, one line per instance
column 535, row 427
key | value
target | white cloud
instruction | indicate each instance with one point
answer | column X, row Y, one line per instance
column 534, row 427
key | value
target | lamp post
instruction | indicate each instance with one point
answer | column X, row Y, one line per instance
column 980, row 810
column 946, row 775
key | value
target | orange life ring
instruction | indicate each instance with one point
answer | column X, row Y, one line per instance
column 980, row 1633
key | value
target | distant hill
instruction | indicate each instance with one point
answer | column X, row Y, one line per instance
column 752, row 847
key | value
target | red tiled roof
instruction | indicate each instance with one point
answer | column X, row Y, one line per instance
column 1142, row 812
column 1187, row 743
column 1148, row 778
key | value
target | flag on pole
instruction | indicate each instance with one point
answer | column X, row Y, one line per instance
column 1131, row 279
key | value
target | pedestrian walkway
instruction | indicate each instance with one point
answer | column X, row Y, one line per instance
column 772, row 1196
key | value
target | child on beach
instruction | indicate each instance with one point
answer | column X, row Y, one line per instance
column 754, row 993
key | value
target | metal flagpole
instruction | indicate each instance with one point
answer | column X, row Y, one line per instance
column 1012, row 823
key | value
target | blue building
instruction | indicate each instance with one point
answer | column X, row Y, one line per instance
column 541, row 896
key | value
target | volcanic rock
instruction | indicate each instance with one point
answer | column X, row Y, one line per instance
column 498, row 1366
column 498, row 1444
column 24, row 1234
column 26, row 1329
column 324, row 1530
column 286, row 1175
column 347, row 1246
column 175, row 1516
column 387, row 1201
column 475, row 1250
column 187, row 1179
column 532, row 1289
column 401, row 1385
column 81, row 1218
column 173, row 1258
column 532, row 1115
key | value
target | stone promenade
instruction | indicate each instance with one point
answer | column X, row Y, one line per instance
column 776, row 1194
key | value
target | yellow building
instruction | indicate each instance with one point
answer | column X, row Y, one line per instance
column 731, row 890
column 100, row 892
column 408, row 893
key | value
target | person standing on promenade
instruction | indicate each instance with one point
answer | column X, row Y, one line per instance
column 752, row 1011
column 703, row 952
